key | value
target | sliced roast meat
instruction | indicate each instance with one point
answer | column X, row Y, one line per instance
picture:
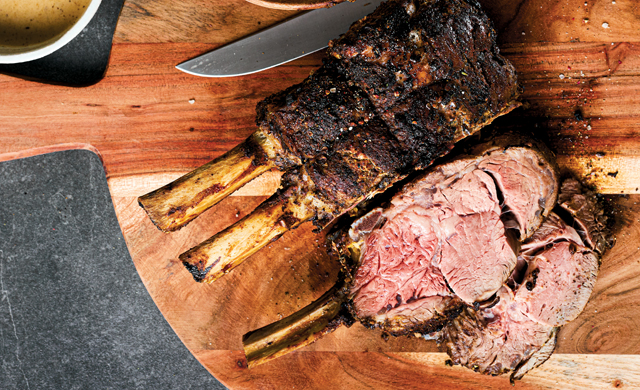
column 558, row 283
column 589, row 217
column 398, row 266
column 551, row 285
column 446, row 238
column 494, row 340
column 553, row 229
column 525, row 182
column 477, row 255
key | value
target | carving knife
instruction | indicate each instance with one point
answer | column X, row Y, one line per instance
column 282, row 43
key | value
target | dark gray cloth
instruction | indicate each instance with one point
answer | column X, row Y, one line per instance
column 74, row 313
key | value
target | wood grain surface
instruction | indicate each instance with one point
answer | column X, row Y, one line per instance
column 579, row 64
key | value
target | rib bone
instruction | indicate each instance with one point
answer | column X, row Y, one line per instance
column 296, row 331
column 177, row 203
column 224, row 251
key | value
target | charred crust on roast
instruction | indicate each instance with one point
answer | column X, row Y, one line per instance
column 308, row 117
column 369, row 116
column 421, row 62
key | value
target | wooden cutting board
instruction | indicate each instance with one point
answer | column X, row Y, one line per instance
column 579, row 63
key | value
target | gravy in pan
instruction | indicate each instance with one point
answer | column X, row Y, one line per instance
column 31, row 22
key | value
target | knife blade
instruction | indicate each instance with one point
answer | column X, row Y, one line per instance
column 282, row 43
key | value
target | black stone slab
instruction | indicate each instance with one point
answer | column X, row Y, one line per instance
column 81, row 62
column 74, row 313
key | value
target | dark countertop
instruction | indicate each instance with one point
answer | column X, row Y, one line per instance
column 73, row 312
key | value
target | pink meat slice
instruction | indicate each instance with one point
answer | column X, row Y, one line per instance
column 458, row 238
column 398, row 266
column 525, row 181
column 476, row 255
column 558, row 283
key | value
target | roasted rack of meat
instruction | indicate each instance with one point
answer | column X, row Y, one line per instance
column 396, row 92
column 479, row 253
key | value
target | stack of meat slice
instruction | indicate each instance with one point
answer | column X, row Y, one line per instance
column 397, row 91
column 450, row 238
column 556, row 272
column 471, row 254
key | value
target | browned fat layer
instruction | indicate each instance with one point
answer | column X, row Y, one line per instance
column 426, row 327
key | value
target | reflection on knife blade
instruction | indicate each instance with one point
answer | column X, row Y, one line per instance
column 282, row 43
